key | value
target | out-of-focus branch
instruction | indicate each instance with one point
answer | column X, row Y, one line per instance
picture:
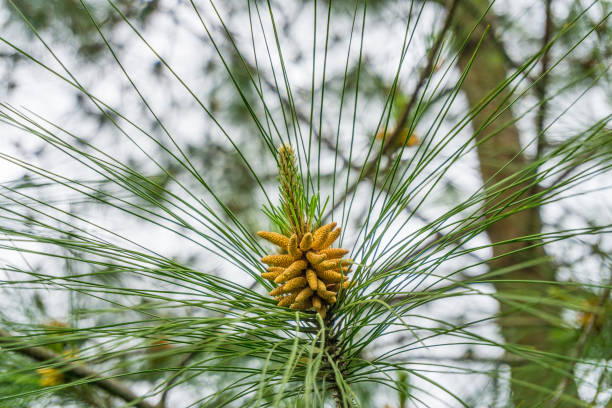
column 508, row 359
column 542, row 85
column 76, row 370
column 541, row 91
column 425, row 74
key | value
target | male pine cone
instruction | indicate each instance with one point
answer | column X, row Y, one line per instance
column 311, row 272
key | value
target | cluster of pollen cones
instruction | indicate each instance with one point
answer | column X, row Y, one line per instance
column 310, row 273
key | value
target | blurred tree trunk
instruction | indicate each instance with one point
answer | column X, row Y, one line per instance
column 528, row 325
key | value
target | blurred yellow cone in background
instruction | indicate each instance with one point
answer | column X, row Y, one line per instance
column 404, row 138
column 50, row 376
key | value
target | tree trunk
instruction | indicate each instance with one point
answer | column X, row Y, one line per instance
column 500, row 157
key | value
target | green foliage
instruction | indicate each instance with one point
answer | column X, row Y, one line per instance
column 16, row 381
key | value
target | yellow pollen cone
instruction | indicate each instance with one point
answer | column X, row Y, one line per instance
column 316, row 302
column 324, row 293
column 315, row 258
column 311, row 276
column 310, row 272
column 330, row 276
column 306, row 242
column 304, row 294
column 403, row 138
column 330, row 264
column 294, row 270
column 320, row 235
column 271, row 275
column 50, row 376
column 287, row 300
column 275, row 238
column 331, row 238
column 321, row 285
column 307, row 304
column 318, row 242
column 334, row 253
column 329, row 297
column 293, row 249
column 278, row 260
column 287, row 275
column 293, row 284
column 347, row 284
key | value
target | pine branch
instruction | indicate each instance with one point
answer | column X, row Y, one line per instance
column 80, row 371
